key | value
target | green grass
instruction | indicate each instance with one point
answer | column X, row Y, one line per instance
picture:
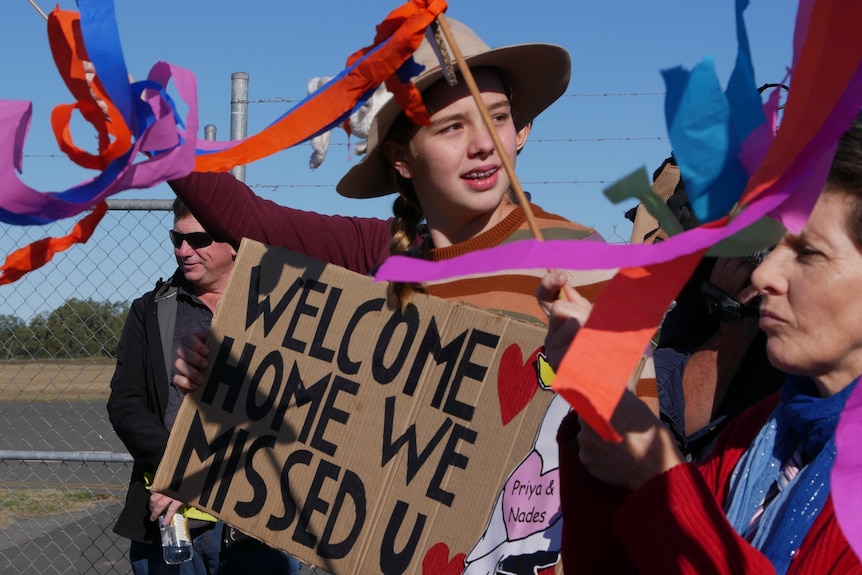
column 54, row 380
column 26, row 503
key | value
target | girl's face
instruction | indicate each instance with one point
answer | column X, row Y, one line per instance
column 811, row 307
column 456, row 171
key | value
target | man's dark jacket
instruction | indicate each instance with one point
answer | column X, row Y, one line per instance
column 139, row 396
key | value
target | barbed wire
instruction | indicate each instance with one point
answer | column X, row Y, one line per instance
column 612, row 94
column 526, row 183
column 327, row 186
column 280, row 100
column 532, row 141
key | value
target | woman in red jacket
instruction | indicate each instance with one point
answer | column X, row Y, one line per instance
column 761, row 502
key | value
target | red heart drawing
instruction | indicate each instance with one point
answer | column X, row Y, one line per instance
column 436, row 561
column 516, row 382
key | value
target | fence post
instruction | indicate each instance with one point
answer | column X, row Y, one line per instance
column 238, row 114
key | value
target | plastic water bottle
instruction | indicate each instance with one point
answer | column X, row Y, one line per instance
column 176, row 540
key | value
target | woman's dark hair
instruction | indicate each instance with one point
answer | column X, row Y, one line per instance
column 845, row 177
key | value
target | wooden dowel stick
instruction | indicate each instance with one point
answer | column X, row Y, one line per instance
column 39, row 10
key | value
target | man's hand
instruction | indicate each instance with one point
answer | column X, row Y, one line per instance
column 191, row 362
column 163, row 505
column 732, row 276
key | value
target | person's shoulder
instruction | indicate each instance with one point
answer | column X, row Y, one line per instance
column 163, row 288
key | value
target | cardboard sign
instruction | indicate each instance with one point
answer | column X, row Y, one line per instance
column 366, row 439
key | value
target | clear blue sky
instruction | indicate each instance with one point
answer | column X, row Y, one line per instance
column 580, row 145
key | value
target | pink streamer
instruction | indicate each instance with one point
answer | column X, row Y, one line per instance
column 847, row 471
column 789, row 199
column 15, row 117
column 572, row 254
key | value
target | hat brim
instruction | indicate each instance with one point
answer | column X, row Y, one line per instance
column 538, row 74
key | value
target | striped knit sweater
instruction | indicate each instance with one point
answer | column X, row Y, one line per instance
column 229, row 211
column 514, row 292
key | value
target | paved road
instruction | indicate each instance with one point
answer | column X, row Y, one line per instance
column 60, row 427
column 57, row 426
column 65, row 543
column 79, row 543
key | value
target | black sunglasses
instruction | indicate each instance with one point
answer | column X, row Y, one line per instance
column 196, row 240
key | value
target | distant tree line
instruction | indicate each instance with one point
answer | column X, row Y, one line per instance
column 77, row 329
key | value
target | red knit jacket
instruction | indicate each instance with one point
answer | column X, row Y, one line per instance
column 675, row 522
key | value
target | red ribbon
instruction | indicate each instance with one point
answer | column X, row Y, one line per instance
column 39, row 253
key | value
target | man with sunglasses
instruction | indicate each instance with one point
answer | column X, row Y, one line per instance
column 143, row 406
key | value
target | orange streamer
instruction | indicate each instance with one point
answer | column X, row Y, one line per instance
column 115, row 138
column 41, row 252
column 593, row 374
column 406, row 26
column 410, row 21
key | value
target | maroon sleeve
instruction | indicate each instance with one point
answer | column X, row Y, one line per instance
column 589, row 506
column 230, row 211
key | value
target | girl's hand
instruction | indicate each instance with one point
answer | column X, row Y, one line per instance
column 567, row 312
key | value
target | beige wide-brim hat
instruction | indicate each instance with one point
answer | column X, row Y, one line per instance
column 537, row 75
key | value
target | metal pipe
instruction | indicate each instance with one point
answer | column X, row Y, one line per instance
column 86, row 456
column 238, row 114
column 140, row 205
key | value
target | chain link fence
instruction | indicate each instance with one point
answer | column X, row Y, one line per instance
column 63, row 471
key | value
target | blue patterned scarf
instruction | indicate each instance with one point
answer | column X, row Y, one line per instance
column 802, row 420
